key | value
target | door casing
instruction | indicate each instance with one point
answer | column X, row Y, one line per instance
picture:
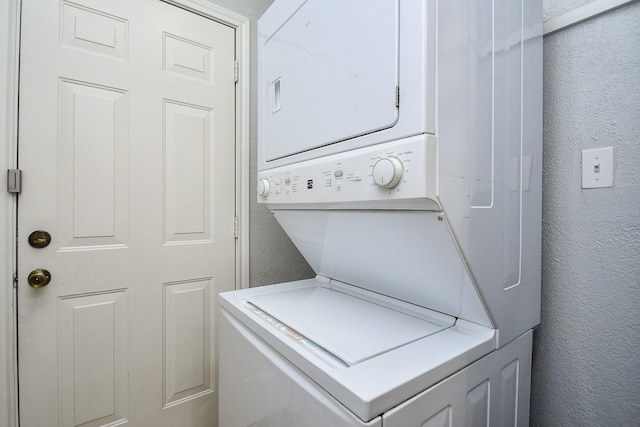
column 9, row 77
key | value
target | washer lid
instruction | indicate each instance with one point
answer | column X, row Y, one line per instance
column 350, row 328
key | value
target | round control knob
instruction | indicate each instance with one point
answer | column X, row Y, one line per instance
column 263, row 188
column 387, row 172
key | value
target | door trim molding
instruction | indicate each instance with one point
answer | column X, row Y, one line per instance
column 9, row 51
column 9, row 74
column 241, row 24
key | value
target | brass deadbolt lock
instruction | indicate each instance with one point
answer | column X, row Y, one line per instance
column 39, row 239
column 39, row 278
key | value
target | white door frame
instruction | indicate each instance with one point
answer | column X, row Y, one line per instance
column 9, row 74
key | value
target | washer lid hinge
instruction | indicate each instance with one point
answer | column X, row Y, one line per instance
column 14, row 181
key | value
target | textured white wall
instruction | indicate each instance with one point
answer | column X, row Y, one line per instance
column 554, row 8
column 586, row 367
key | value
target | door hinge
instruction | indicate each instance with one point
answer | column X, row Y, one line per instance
column 397, row 96
column 235, row 227
column 15, row 280
column 236, row 71
column 14, row 181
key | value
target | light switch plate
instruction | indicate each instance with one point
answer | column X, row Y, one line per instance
column 597, row 168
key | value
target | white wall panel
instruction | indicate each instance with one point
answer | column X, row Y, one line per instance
column 507, row 407
column 477, row 405
column 493, row 391
column 508, row 144
column 440, row 419
column 479, row 107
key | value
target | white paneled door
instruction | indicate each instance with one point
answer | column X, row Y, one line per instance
column 126, row 143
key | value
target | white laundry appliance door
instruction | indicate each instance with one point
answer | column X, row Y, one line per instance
column 260, row 388
column 331, row 60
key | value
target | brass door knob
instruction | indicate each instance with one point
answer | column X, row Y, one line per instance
column 39, row 278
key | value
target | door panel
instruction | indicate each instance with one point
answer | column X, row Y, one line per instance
column 93, row 358
column 92, row 165
column 127, row 121
column 187, row 142
column 187, row 341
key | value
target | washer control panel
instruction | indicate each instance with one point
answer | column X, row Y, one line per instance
column 398, row 170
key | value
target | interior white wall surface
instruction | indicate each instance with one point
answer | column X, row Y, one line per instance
column 554, row 8
column 272, row 256
column 586, row 368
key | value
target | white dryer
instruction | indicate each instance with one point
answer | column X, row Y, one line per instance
column 400, row 149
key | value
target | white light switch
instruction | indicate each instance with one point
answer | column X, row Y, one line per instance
column 597, row 168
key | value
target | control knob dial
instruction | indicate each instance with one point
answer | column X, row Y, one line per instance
column 263, row 188
column 387, row 172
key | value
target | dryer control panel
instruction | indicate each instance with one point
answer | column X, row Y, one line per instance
column 396, row 175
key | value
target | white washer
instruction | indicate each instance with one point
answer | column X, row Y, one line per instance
column 360, row 358
column 400, row 149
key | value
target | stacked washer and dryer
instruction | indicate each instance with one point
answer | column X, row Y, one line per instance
column 399, row 146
